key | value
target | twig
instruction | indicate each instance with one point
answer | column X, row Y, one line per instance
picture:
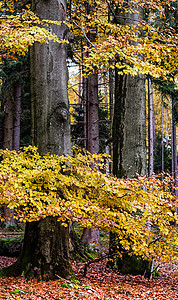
column 63, row 279
column 96, row 260
column 110, row 8
column 82, row 287
column 85, row 35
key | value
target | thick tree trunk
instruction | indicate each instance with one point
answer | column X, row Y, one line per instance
column 46, row 244
column 129, row 127
column 129, row 150
column 45, row 251
column 129, row 139
column 50, row 116
column 129, row 123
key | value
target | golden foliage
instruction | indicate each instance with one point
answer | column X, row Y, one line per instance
column 141, row 48
column 76, row 188
column 20, row 28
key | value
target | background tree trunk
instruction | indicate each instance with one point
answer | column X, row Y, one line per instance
column 129, row 127
column 12, row 97
column 174, row 146
column 46, row 243
column 162, row 136
column 91, row 236
column 8, row 119
column 17, row 110
column 150, row 128
column 129, row 139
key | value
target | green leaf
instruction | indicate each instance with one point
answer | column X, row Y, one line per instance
column 16, row 291
column 67, row 285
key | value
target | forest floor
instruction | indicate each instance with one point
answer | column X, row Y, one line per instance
column 99, row 283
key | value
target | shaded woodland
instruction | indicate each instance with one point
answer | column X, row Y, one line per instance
column 101, row 76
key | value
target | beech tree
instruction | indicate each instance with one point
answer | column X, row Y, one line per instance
column 90, row 236
column 11, row 97
column 46, row 243
column 151, row 128
column 129, row 124
column 49, row 108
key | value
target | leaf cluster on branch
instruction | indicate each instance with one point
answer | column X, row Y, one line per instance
column 146, row 46
column 76, row 188
column 20, row 28
column 129, row 30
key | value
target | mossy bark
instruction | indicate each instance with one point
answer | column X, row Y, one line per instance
column 134, row 265
column 11, row 247
column 45, row 252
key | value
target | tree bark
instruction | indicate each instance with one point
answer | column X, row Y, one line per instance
column 162, row 136
column 129, row 122
column 174, row 147
column 129, row 127
column 50, row 116
column 129, row 138
column 129, row 151
column 44, row 253
column 12, row 116
column 8, row 120
column 17, row 110
column 150, row 129
column 91, row 236
column 46, row 244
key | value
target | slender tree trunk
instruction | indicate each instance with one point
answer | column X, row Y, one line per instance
column 12, row 116
column 17, row 110
column 93, row 118
column 150, row 129
column 174, row 147
column 91, row 236
column 162, row 136
column 111, row 110
column 85, row 110
column 8, row 139
column 150, row 147
column 8, row 120
column 107, row 150
column 80, row 85
column 46, row 244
